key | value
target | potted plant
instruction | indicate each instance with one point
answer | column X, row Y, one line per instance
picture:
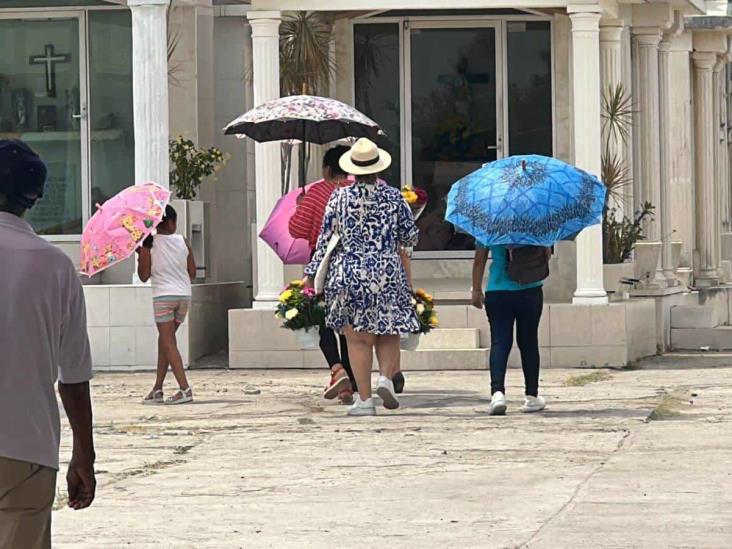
column 621, row 237
column 428, row 320
column 302, row 312
column 190, row 166
column 306, row 67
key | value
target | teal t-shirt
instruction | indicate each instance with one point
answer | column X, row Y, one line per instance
column 498, row 280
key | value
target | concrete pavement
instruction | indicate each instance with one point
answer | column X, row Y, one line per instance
column 621, row 459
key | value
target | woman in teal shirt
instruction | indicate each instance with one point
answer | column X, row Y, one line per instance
column 508, row 303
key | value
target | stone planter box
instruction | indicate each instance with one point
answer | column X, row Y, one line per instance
column 647, row 255
column 613, row 273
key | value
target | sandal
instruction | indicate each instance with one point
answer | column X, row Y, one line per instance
column 181, row 396
column 154, row 397
column 338, row 382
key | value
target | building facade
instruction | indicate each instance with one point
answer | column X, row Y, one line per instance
column 98, row 87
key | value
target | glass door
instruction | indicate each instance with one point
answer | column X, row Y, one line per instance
column 43, row 102
column 453, row 85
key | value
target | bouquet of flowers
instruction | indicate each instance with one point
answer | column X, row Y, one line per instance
column 301, row 311
column 425, row 307
column 416, row 198
column 427, row 316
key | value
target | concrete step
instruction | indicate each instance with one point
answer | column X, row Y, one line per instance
column 455, row 359
column 693, row 316
column 451, row 338
column 695, row 339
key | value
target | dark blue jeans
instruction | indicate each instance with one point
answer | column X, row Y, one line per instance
column 522, row 308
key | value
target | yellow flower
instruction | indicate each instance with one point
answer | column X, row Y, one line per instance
column 428, row 298
column 285, row 296
column 434, row 321
column 296, row 284
column 420, row 309
column 292, row 313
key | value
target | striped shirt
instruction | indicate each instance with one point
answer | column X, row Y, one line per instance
column 308, row 219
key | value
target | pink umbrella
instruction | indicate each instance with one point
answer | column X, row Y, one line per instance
column 276, row 232
column 120, row 225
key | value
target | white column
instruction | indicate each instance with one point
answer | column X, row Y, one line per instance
column 611, row 66
column 150, row 89
column 266, row 82
column 706, row 268
column 647, row 39
column 720, row 158
column 587, row 147
column 150, row 94
column 666, row 160
column 724, row 150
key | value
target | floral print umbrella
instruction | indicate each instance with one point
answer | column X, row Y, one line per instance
column 120, row 225
column 305, row 118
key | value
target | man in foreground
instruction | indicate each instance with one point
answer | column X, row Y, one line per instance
column 43, row 338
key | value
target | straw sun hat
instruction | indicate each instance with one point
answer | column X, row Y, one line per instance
column 365, row 158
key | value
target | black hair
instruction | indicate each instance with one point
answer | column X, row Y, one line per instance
column 332, row 160
column 22, row 176
column 170, row 214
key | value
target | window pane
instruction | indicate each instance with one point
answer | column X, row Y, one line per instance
column 110, row 116
column 39, row 98
column 453, row 120
column 376, row 70
column 529, row 88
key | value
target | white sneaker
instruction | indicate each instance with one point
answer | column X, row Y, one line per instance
column 362, row 407
column 534, row 404
column 385, row 390
column 498, row 404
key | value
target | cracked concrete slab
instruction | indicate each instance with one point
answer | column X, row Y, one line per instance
column 285, row 469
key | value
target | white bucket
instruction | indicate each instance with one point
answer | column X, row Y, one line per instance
column 308, row 339
column 409, row 342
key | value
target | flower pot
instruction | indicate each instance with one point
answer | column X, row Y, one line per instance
column 646, row 260
column 193, row 216
column 308, row 339
column 409, row 342
column 676, row 247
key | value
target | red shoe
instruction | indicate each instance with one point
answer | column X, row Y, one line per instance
column 338, row 382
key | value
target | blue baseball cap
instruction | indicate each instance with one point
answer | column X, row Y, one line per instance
column 22, row 173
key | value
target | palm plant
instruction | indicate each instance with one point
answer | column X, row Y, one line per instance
column 620, row 232
column 617, row 115
column 306, row 66
column 173, row 42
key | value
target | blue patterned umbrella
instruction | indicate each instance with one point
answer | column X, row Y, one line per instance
column 525, row 201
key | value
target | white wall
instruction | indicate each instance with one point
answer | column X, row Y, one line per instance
column 234, row 188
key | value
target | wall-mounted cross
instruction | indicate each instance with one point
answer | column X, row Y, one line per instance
column 50, row 59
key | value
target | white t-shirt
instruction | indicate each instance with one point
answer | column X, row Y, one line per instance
column 42, row 338
column 169, row 272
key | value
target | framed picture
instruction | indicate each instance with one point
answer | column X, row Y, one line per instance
column 47, row 118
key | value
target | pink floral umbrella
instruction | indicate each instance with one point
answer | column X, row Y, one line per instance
column 276, row 232
column 119, row 226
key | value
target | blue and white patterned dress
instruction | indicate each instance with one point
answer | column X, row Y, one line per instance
column 366, row 286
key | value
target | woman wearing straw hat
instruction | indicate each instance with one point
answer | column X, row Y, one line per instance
column 366, row 290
